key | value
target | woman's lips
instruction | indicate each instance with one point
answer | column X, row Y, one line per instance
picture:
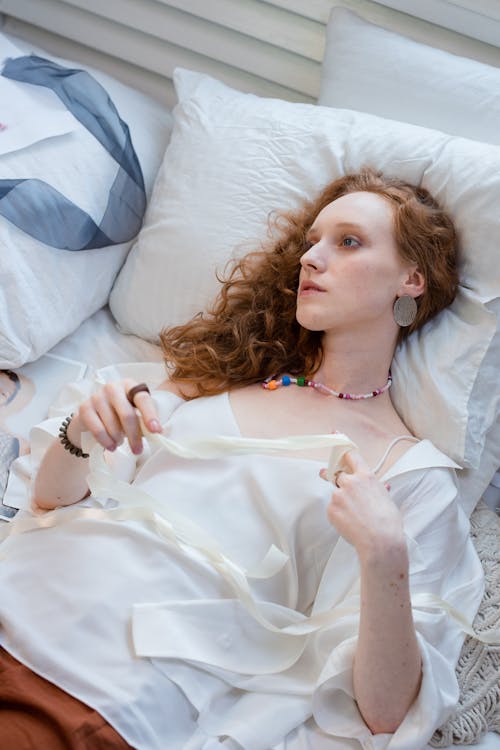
column 308, row 288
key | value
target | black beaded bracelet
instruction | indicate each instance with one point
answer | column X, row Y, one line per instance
column 66, row 442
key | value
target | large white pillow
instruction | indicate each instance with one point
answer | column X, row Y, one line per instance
column 371, row 69
column 45, row 293
column 234, row 157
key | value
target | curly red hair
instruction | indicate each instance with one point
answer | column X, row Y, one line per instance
column 251, row 331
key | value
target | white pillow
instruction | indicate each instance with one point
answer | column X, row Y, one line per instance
column 45, row 293
column 371, row 69
column 233, row 157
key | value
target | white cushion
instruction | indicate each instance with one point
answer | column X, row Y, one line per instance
column 45, row 293
column 371, row 69
column 234, row 157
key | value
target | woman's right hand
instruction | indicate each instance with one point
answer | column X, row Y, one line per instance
column 110, row 417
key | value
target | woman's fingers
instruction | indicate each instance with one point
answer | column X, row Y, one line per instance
column 324, row 475
column 147, row 408
column 116, row 394
column 110, row 417
column 91, row 422
column 353, row 461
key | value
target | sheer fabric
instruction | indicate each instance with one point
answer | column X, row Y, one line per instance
column 42, row 211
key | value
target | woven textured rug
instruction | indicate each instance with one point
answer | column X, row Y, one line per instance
column 478, row 668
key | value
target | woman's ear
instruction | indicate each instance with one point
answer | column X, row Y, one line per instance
column 414, row 283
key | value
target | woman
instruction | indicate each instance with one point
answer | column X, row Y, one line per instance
column 324, row 646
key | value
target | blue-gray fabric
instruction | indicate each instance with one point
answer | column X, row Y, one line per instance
column 42, row 211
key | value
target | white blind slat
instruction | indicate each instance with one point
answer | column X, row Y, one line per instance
column 157, row 86
column 263, row 21
column 209, row 39
column 283, row 74
column 464, row 17
column 268, row 47
column 162, row 58
column 316, row 10
column 423, row 30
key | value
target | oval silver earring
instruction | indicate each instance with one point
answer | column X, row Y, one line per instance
column 405, row 310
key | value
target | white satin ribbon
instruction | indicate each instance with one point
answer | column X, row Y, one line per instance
column 431, row 601
column 183, row 531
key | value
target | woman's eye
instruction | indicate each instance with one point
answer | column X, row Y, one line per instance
column 350, row 242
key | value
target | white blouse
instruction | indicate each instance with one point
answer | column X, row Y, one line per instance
column 214, row 605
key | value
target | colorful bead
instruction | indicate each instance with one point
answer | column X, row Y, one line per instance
column 272, row 385
column 301, row 381
column 286, row 380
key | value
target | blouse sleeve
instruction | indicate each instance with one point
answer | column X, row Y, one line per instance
column 444, row 563
column 122, row 462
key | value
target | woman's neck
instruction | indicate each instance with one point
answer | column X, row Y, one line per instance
column 354, row 366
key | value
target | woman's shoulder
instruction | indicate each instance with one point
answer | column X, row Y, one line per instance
column 185, row 391
column 410, row 452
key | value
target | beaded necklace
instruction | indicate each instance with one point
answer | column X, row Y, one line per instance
column 275, row 381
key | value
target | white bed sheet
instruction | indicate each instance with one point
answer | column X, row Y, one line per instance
column 99, row 343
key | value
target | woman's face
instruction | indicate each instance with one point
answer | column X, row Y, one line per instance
column 7, row 388
column 354, row 260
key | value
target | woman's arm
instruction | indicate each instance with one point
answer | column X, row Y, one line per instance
column 61, row 477
column 108, row 415
column 387, row 662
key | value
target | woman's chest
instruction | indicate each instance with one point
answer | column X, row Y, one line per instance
column 272, row 414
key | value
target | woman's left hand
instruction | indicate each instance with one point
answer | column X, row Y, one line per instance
column 361, row 508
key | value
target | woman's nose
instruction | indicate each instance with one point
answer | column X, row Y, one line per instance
column 313, row 258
